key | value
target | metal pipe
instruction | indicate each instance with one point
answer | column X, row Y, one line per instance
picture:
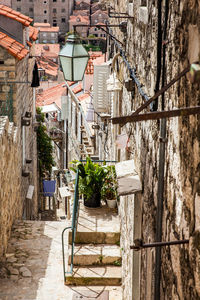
column 159, row 244
column 160, row 194
column 181, row 112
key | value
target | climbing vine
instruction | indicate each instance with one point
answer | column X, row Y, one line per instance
column 44, row 146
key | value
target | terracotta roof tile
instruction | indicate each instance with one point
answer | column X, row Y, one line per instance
column 77, row 89
column 83, row 19
column 53, row 50
column 33, row 33
column 51, row 95
column 12, row 14
column 13, row 47
column 83, row 96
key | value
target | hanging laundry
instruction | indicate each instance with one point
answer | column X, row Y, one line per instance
column 49, row 187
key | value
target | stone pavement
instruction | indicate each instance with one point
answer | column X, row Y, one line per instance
column 33, row 270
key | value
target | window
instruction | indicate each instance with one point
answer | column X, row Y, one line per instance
column 18, row 0
column 45, row 20
column 31, row 9
column 63, row 10
column 45, row 12
column 54, row 10
column 54, row 0
column 18, row 8
column 54, row 23
column 63, row 0
column 44, row 34
column 63, row 20
column 45, row 2
column 52, row 34
column 30, row 0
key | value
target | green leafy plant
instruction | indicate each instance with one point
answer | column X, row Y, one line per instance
column 45, row 148
column 91, row 180
column 109, row 188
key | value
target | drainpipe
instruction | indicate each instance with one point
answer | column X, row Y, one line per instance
column 160, row 193
column 154, row 106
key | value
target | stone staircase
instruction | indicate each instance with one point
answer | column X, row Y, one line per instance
column 87, row 147
column 97, row 255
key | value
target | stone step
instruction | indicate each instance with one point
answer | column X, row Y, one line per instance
column 85, row 255
column 112, row 238
column 95, row 276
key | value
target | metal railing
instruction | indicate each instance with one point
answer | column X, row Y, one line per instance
column 75, row 213
column 73, row 227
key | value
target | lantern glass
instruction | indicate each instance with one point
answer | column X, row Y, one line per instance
column 73, row 59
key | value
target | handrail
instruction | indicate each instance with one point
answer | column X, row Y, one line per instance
column 73, row 227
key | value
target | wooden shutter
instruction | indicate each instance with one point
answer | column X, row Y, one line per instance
column 101, row 103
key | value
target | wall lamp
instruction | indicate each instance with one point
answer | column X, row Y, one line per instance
column 74, row 57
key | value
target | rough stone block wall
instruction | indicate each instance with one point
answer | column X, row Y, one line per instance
column 10, row 180
column 179, row 264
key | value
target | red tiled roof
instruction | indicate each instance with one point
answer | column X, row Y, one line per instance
column 49, row 68
column 83, row 19
column 99, row 11
column 53, row 50
column 77, row 89
column 33, row 33
column 51, row 95
column 46, row 25
column 13, row 47
column 83, row 96
column 47, row 29
column 12, row 14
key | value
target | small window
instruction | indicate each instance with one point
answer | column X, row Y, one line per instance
column 63, row 10
column 54, row 0
column 18, row 0
column 54, row 23
column 30, row 0
column 63, row 20
column 45, row 12
column 45, row 2
column 45, row 21
column 52, row 34
column 63, row 0
column 44, row 34
column 54, row 10
column 18, row 8
column 31, row 9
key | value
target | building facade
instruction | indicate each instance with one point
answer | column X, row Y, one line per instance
column 161, row 41
column 55, row 12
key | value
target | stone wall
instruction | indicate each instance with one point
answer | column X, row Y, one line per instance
column 20, row 148
column 10, row 179
column 179, row 264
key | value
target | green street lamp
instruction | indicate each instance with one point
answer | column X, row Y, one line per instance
column 73, row 59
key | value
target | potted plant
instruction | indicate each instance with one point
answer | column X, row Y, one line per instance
column 91, row 181
column 109, row 188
